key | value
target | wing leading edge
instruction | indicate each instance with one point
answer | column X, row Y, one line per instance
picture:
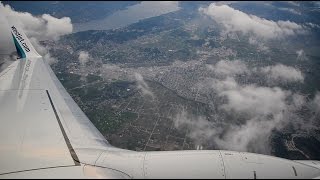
column 44, row 133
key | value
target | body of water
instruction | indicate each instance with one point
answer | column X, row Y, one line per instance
column 132, row 14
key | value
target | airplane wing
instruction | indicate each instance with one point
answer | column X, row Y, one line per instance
column 44, row 134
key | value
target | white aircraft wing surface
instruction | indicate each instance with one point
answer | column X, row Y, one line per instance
column 44, row 134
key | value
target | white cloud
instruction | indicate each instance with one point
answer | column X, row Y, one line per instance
column 299, row 52
column 6, row 60
column 263, row 109
column 301, row 55
column 49, row 59
column 225, row 67
column 199, row 128
column 290, row 10
column 234, row 20
column 259, row 45
column 83, row 57
column 254, row 100
column 169, row 3
column 43, row 51
column 219, row 3
column 250, row 99
column 293, row 3
column 298, row 100
column 252, row 136
column 312, row 25
column 40, row 27
column 36, row 44
column 259, row 111
column 316, row 103
column 223, row 85
column 143, row 86
column 44, row 27
column 57, row 27
column 283, row 73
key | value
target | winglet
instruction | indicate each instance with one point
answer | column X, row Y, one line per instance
column 22, row 43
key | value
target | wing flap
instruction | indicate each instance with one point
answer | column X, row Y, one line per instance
column 30, row 135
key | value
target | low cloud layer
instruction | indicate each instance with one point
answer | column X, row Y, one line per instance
column 252, row 136
column 42, row 50
column 259, row 110
column 251, row 99
column 283, row 73
column 199, row 128
column 244, row 113
column 278, row 72
column 83, row 57
column 311, row 25
column 258, row 44
column 301, row 55
column 293, row 11
column 41, row 27
column 234, row 20
column 316, row 103
column 143, row 86
column 230, row 68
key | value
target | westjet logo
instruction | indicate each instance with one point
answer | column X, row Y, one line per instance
column 20, row 38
